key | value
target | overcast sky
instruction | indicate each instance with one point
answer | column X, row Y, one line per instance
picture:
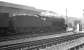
column 74, row 7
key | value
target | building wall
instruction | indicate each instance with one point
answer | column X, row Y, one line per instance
column 82, row 23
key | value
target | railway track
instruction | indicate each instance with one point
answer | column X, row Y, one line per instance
column 39, row 42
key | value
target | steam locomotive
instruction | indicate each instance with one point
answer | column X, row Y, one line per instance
column 30, row 24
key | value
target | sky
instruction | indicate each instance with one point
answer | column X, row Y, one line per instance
column 74, row 7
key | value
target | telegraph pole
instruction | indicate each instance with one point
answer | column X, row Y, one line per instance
column 66, row 17
column 66, row 21
column 66, row 12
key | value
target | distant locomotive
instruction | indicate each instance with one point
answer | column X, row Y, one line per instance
column 30, row 24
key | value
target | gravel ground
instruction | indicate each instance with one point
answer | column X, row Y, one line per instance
column 79, row 47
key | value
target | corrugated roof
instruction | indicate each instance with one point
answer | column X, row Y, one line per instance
column 6, row 4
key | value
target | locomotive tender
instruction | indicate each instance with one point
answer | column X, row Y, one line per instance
column 30, row 24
